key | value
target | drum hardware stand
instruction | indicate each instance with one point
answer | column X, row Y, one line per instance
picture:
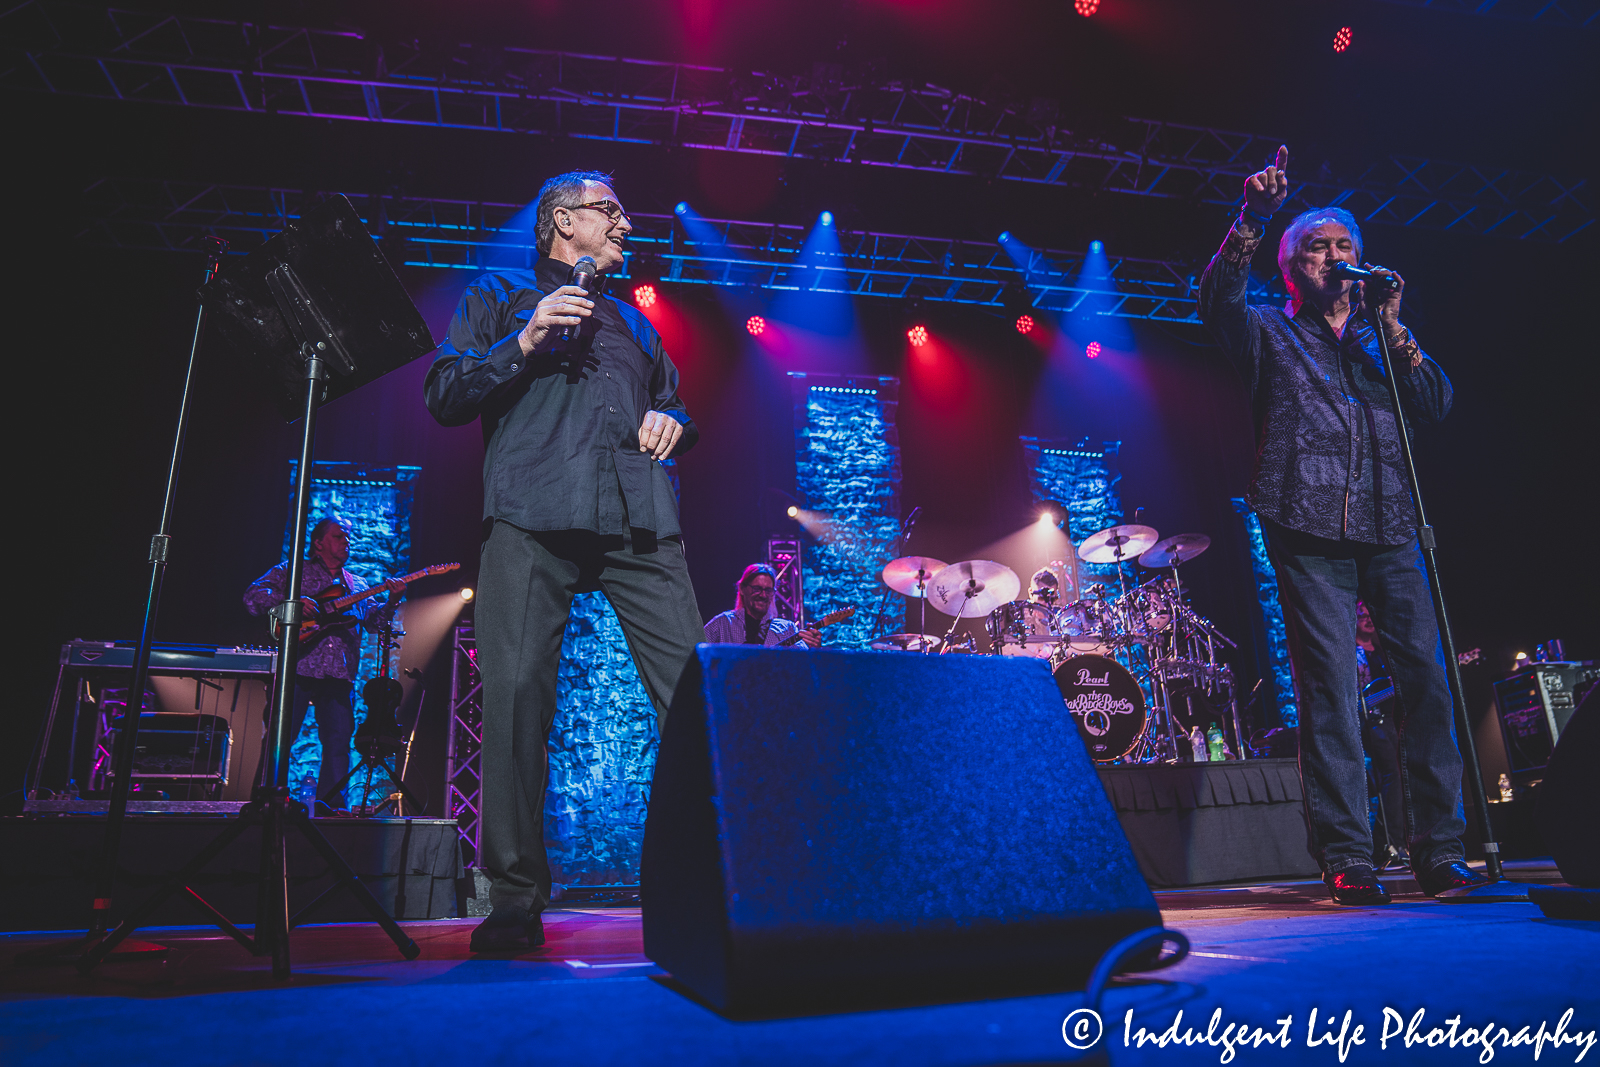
column 275, row 317
column 375, row 751
column 1498, row 889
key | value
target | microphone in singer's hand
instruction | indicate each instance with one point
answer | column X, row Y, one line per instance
column 582, row 276
column 1351, row 272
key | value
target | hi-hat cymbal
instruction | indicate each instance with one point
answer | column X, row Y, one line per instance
column 1102, row 547
column 1179, row 548
column 906, row 643
column 973, row 587
column 903, row 574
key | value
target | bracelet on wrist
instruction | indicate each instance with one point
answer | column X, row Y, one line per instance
column 1246, row 212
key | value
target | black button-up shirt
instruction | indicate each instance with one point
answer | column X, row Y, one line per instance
column 560, row 428
column 1328, row 458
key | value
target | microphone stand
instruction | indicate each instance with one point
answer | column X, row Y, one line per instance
column 1497, row 890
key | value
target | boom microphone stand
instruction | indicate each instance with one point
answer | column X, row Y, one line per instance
column 319, row 307
column 1497, row 890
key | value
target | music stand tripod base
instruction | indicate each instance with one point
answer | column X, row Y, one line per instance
column 70, row 952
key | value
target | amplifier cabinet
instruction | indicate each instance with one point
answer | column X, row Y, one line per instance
column 1534, row 705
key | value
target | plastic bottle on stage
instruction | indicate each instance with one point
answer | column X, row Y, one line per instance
column 1197, row 745
column 1214, row 744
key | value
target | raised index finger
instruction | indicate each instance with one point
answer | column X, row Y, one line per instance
column 1283, row 157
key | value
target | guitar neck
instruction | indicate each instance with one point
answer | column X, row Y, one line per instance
column 355, row 598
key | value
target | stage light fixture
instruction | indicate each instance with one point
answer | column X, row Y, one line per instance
column 1006, row 236
column 1093, row 350
column 467, row 594
column 682, row 208
column 1341, row 40
column 756, row 325
column 1096, row 247
column 826, row 218
column 1086, row 7
column 1025, row 324
column 645, row 296
column 918, row 336
column 794, row 512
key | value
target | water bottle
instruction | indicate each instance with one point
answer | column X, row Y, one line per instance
column 1197, row 745
column 1214, row 744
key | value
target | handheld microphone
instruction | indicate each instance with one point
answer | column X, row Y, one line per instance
column 1351, row 272
column 582, row 276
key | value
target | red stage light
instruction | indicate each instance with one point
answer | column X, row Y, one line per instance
column 1086, row 7
column 756, row 325
column 1341, row 40
column 918, row 336
column 645, row 296
column 1093, row 350
column 1025, row 324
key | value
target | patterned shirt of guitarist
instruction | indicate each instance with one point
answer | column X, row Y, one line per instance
column 336, row 651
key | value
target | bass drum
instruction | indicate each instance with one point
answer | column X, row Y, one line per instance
column 1105, row 701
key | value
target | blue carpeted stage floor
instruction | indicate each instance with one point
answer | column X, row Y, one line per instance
column 1261, row 953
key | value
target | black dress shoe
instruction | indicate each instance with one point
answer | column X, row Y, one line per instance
column 1455, row 875
column 509, row 928
column 1357, row 887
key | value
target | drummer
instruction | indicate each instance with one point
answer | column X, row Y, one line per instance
column 1045, row 587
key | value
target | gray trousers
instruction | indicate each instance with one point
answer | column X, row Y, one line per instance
column 526, row 582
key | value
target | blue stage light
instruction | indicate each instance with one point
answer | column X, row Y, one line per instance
column 682, row 208
column 1004, row 237
column 826, row 218
column 1096, row 247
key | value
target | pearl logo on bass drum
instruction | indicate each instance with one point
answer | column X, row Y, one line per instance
column 1106, row 703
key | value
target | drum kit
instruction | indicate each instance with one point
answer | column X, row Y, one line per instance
column 1130, row 662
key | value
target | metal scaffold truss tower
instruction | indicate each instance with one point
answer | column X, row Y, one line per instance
column 463, row 783
column 855, row 115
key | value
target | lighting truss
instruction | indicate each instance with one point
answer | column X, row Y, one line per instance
column 469, row 235
column 1573, row 14
column 463, row 781
column 783, row 556
column 855, row 116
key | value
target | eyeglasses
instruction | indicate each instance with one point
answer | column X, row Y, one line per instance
column 610, row 208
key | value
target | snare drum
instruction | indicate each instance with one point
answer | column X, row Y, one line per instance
column 1023, row 628
column 1087, row 626
column 1105, row 701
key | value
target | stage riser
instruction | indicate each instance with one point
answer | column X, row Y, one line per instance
column 412, row 866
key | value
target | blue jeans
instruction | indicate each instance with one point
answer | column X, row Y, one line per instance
column 1319, row 582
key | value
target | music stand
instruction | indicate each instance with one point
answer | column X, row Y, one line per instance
column 319, row 312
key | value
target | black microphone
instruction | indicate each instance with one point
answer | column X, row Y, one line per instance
column 1355, row 274
column 911, row 520
column 582, row 276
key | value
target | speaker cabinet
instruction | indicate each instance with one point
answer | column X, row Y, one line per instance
column 858, row 829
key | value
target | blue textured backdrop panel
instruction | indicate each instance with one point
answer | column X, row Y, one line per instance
column 1082, row 481
column 1277, row 635
column 376, row 503
column 847, row 466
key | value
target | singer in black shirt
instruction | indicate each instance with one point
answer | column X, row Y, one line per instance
column 574, row 500
column 1341, row 525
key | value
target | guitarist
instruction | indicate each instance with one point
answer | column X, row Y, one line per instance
column 751, row 621
column 331, row 657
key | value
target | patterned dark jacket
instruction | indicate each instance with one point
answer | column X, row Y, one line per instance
column 1328, row 459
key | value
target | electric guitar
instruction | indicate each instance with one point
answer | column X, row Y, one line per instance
column 325, row 611
column 1381, row 689
column 827, row 620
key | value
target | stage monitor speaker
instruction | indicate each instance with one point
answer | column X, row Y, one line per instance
column 836, row 830
column 1569, row 797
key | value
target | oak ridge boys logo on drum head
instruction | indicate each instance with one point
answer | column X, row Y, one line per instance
column 1105, row 701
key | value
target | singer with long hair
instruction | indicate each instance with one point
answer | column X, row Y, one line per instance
column 1331, row 489
column 578, row 401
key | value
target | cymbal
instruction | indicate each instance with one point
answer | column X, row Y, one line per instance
column 906, row 643
column 972, row 588
column 1179, row 548
column 1102, row 547
column 903, row 574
